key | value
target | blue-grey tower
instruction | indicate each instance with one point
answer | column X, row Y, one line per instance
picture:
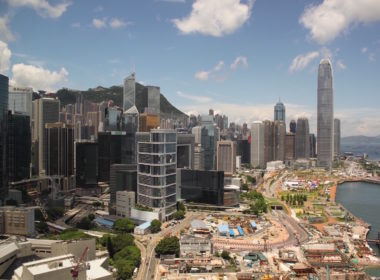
column 4, row 81
column 129, row 92
column 325, row 115
column 279, row 111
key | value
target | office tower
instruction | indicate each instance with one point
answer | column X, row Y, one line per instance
column 209, row 137
column 201, row 186
column 79, row 104
column 268, row 141
column 154, row 99
column 123, row 177
column 225, row 120
column 279, row 111
column 60, row 149
column 185, row 150
column 113, row 119
column 325, row 115
column 257, row 144
column 112, row 150
column 312, row 140
column 211, row 112
column 293, row 126
column 336, row 137
column 245, row 131
column 302, row 139
column 148, row 121
column 243, row 149
column 199, row 157
column 86, row 164
column 46, row 110
column 197, row 132
column 156, row 176
column 131, row 126
column 290, row 146
column 92, row 120
column 19, row 146
column 279, row 140
column 219, row 121
column 3, row 137
column 226, row 157
column 20, row 100
column 129, row 92
column 125, row 201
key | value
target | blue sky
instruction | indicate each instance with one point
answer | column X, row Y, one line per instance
column 237, row 57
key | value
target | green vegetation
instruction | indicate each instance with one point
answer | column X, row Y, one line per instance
column 96, row 204
column 181, row 207
column 168, row 246
column 71, row 234
column 294, row 200
column 124, row 225
column 179, row 215
column 251, row 179
column 85, row 223
column 155, row 226
column 55, row 213
column 257, row 203
column 91, row 217
column 143, row 208
column 244, row 187
column 225, row 255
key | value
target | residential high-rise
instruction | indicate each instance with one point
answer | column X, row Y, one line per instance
column 46, row 110
column 226, row 157
column 156, row 172
column 336, row 137
column 129, row 92
column 60, row 149
column 257, row 144
column 20, row 100
column 86, row 164
column 279, row 111
column 3, row 137
column 19, row 146
column 293, row 126
column 325, row 115
column 302, row 139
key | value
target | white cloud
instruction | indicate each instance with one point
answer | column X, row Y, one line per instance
column 239, row 61
column 42, row 7
column 98, row 9
column 38, row 77
column 75, row 25
column 364, row 50
column 205, row 75
column 198, row 99
column 99, row 23
column 340, row 64
column 328, row 19
column 5, row 57
column 118, row 23
column 301, row 61
column 215, row 17
column 372, row 57
column 5, row 32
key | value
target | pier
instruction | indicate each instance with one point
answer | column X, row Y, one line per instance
column 375, row 241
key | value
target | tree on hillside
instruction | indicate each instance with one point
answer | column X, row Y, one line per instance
column 124, row 225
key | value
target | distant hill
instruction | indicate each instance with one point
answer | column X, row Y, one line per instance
column 115, row 93
column 362, row 144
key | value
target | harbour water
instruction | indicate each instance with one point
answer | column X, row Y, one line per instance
column 363, row 200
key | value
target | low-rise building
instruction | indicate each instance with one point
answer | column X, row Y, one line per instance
column 125, row 201
column 143, row 228
column 17, row 220
column 193, row 245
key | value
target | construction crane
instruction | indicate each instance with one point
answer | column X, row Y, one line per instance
column 75, row 271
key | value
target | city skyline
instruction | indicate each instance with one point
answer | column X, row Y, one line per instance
column 174, row 46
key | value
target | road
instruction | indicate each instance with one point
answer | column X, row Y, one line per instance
column 148, row 260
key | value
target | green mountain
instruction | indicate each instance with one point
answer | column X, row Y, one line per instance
column 115, row 93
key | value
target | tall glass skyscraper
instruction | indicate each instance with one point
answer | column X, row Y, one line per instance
column 336, row 137
column 325, row 116
column 129, row 92
column 302, row 139
column 3, row 136
column 279, row 111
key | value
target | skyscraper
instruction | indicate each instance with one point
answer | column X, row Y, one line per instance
column 336, row 137
column 293, row 126
column 279, row 140
column 313, row 152
column 279, row 111
column 302, row 139
column 154, row 99
column 257, row 144
column 325, row 115
column 156, row 172
column 129, row 92
column 20, row 100
column 3, row 136
column 268, row 141
column 86, row 167
column 226, row 157
column 209, row 136
column 290, row 146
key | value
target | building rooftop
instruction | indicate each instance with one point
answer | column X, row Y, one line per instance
column 98, row 269
column 198, row 224
column 7, row 249
column 144, row 225
column 223, row 228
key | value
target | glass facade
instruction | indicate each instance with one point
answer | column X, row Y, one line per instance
column 200, row 186
column 156, row 178
column 129, row 92
column 154, row 99
column 302, row 139
column 86, row 164
column 3, row 136
column 279, row 111
column 325, row 115
column 336, row 137
column 20, row 100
